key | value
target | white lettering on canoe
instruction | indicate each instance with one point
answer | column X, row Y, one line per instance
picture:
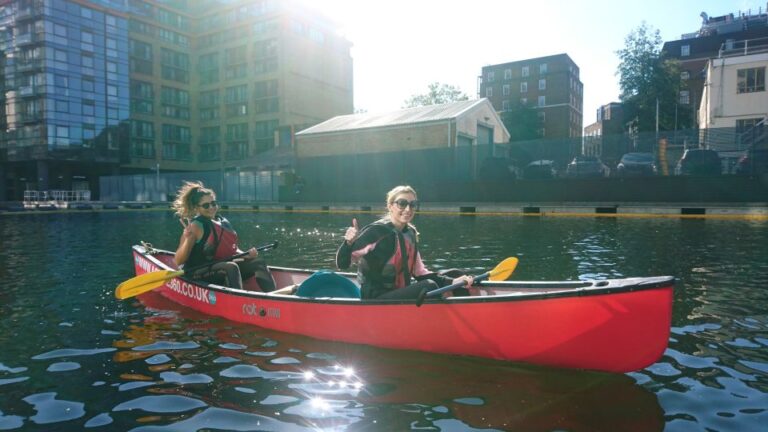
column 192, row 291
column 145, row 265
column 255, row 310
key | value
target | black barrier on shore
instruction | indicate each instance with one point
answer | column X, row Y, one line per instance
column 658, row 189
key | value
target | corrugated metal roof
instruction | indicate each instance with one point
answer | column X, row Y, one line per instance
column 400, row 117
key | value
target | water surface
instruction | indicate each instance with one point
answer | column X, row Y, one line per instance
column 74, row 358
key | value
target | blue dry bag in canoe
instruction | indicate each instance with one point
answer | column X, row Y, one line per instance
column 326, row 283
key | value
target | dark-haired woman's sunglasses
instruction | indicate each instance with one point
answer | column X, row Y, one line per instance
column 402, row 203
column 209, row 204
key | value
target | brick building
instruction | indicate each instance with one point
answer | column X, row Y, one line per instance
column 550, row 85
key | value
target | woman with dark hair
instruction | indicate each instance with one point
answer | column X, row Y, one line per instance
column 387, row 253
column 208, row 237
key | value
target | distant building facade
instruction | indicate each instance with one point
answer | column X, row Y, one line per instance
column 550, row 85
column 603, row 137
column 717, row 34
column 735, row 96
column 418, row 146
column 95, row 88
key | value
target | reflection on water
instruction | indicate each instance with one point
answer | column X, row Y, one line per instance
column 72, row 357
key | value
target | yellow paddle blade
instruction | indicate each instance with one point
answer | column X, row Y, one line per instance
column 143, row 283
column 504, row 270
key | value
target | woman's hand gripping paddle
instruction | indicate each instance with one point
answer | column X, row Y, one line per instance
column 149, row 281
column 499, row 273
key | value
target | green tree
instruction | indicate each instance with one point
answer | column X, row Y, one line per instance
column 646, row 77
column 522, row 122
column 438, row 94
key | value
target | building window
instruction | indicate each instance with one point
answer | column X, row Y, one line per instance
column 543, row 84
column 489, row 92
column 744, row 125
column 542, row 116
column 684, row 75
column 525, row 72
column 524, row 101
column 507, row 74
column 543, row 68
column 751, row 80
column 524, row 87
column 685, row 97
column 505, row 90
column 490, row 76
column 505, row 105
column 685, row 50
column 542, row 101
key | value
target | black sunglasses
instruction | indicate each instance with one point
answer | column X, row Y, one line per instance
column 402, row 203
column 209, row 204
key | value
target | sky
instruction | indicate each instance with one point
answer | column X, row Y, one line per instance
column 400, row 46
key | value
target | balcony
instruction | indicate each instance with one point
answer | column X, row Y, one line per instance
column 29, row 65
column 27, row 91
column 26, row 13
column 25, row 39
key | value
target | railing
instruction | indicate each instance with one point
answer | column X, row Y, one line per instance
column 58, row 198
column 743, row 47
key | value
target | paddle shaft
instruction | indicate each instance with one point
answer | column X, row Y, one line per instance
column 452, row 287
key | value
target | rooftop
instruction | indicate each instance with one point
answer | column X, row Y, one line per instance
column 421, row 114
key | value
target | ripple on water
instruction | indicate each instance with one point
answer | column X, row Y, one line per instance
column 250, row 371
column 100, row 420
column 158, row 359
column 167, row 346
column 224, row 419
column 161, row 404
column 177, row 378
column 70, row 352
column 278, row 400
column 63, row 366
column 50, row 410
column 285, row 360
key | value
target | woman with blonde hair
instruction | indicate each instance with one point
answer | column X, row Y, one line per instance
column 210, row 238
column 387, row 254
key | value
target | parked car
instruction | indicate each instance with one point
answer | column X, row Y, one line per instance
column 633, row 164
column 540, row 169
column 753, row 162
column 699, row 162
column 587, row 166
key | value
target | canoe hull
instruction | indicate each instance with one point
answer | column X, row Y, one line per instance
column 615, row 331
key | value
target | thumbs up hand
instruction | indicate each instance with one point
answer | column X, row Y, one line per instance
column 351, row 233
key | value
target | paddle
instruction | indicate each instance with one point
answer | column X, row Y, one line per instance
column 499, row 273
column 149, row 281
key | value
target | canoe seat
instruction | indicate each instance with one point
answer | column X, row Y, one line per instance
column 325, row 283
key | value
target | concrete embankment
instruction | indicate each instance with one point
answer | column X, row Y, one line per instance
column 750, row 211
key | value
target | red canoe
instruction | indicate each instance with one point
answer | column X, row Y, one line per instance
column 617, row 325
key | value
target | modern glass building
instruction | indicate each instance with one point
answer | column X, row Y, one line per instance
column 95, row 88
column 65, row 94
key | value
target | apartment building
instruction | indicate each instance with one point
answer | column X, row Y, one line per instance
column 94, row 88
column 550, row 85
column 603, row 137
column 726, row 33
column 735, row 93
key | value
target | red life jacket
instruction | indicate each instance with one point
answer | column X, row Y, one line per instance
column 219, row 238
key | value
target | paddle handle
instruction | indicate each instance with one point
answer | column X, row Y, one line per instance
column 265, row 247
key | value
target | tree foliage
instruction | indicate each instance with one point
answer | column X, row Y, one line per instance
column 522, row 122
column 438, row 94
column 646, row 77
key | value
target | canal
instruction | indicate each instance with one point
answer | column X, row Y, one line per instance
column 72, row 357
